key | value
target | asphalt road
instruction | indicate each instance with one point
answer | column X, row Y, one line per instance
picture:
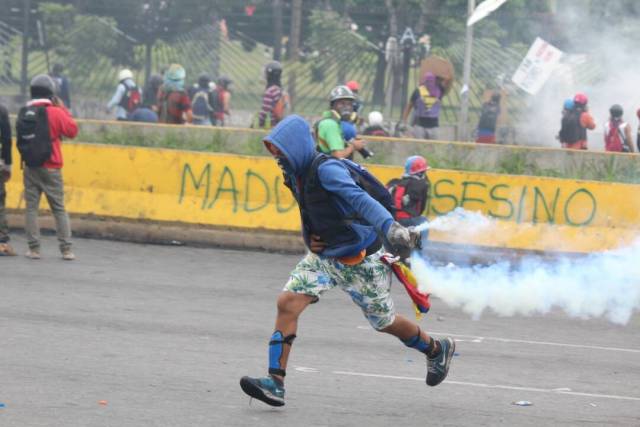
column 142, row 335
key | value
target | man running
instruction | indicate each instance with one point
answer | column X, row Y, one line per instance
column 343, row 227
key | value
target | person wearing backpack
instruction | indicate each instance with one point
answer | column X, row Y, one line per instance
column 329, row 130
column 488, row 119
column 127, row 97
column 575, row 124
column 346, row 217
column 221, row 100
column 275, row 100
column 410, row 193
column 5, row 175
column 40, row 127
column 426, row 101
column 617, row 133
column 201, row 108
column 173, row 100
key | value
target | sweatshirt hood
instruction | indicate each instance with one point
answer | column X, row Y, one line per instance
column 293, row 137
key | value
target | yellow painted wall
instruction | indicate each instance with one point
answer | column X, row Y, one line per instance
column 241, row 191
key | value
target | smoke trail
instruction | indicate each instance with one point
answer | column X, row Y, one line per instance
column 600, row 284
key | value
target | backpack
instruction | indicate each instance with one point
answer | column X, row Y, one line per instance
column 362, row 177
column 489, row 116
column 131, row 99
column 614, row 137
column 200, row 105
column 570, row 128
column 34, row 139
column 398, row 188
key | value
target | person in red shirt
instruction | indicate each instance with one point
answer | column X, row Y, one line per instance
column 173, row 100
column 47, row 177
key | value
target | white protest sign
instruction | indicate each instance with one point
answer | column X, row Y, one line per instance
column 537, row 66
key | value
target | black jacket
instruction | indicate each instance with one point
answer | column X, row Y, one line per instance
column 5, row 136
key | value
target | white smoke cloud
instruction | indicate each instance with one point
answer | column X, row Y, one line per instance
column 598, row 62
column 596, row 285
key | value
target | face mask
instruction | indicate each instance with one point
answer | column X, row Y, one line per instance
column 345, row 113
column 285, row 165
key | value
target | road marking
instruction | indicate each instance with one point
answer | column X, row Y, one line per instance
column 495, row 386
column 477, row 338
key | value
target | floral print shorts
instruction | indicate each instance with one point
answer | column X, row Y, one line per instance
column 368, row 284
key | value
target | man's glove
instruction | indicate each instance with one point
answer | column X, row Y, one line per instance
column 403, row 239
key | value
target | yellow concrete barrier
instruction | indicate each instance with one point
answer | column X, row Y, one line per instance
column 240, row 191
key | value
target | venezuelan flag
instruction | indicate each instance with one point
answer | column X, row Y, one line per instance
column 421, row 302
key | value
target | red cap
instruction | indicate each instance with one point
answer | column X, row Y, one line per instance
column 353, row 85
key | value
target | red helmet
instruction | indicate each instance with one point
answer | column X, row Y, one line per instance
column 415, row 164
column 580, row 98
column 353, row 85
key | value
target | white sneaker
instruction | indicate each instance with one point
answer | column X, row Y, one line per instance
column 33, row 254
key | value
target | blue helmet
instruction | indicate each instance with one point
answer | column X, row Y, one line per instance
column 415, row 165
column 569, row 104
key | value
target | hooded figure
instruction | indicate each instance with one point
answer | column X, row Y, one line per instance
column 426, row 101
column 293, row 138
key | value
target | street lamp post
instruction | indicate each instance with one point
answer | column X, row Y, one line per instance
column 463, row 124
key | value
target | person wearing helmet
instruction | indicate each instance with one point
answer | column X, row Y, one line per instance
column 275, row 100
column 375, row 125
column 617, row 133
column 486, row 133
column 173, row 100
column 127, row 96
column 567, row 125
column 355, row 88
column 221, row 100
column 5, row 175
column 410, row 193
column 329, row 129
column 41, row 154
column 426, row 101
column 575, row 124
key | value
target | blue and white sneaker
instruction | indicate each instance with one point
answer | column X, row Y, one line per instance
column 267, row 389
column 438, row 367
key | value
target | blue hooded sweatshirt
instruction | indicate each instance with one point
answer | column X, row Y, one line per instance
column 293, row 138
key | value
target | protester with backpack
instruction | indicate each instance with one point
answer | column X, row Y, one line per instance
column 346, row 222
column 488, row 119
column 617, row 133
column 40, row 127
column 221, row 100
column 426, row 101
column 127, row 97
column 173, row 101
column 275, row 100
column 575, row 122
column 410, row 193
column 5, row 175
column 201, row 108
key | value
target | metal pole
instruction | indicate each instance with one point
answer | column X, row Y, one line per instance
column 25, row 48
column 463, row 134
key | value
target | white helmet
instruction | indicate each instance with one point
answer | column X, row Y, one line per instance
column 125, row 74
column 375, row 118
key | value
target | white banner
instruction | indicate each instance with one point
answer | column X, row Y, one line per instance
column 483, row 10
column 537, row 66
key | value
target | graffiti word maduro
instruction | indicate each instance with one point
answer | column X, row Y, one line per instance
column 256, row 193
column 515, row 203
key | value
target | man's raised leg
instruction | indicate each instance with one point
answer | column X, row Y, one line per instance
column 270, row 389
